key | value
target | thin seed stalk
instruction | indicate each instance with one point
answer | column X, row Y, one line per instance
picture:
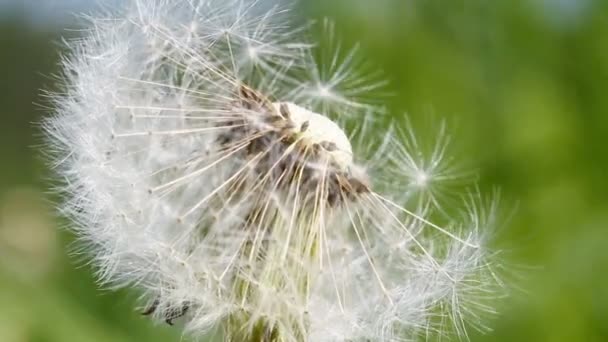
column 275, row 269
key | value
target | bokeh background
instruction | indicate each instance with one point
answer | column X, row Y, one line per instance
column 523, row 83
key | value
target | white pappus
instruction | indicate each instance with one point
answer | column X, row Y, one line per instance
column 202, row 159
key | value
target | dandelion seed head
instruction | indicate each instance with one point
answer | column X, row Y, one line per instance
column 204, row 160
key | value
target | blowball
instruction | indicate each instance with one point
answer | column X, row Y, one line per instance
column 202, row 160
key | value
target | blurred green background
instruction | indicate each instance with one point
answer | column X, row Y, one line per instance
column 523, row 83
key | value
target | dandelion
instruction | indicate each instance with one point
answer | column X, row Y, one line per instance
column 203, row 161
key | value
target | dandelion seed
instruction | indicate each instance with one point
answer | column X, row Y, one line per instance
column 201, row 169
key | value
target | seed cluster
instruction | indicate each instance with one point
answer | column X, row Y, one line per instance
column 286, row 160
column 197, row 149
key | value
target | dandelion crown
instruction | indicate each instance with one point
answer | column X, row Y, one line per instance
column 202, row 161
